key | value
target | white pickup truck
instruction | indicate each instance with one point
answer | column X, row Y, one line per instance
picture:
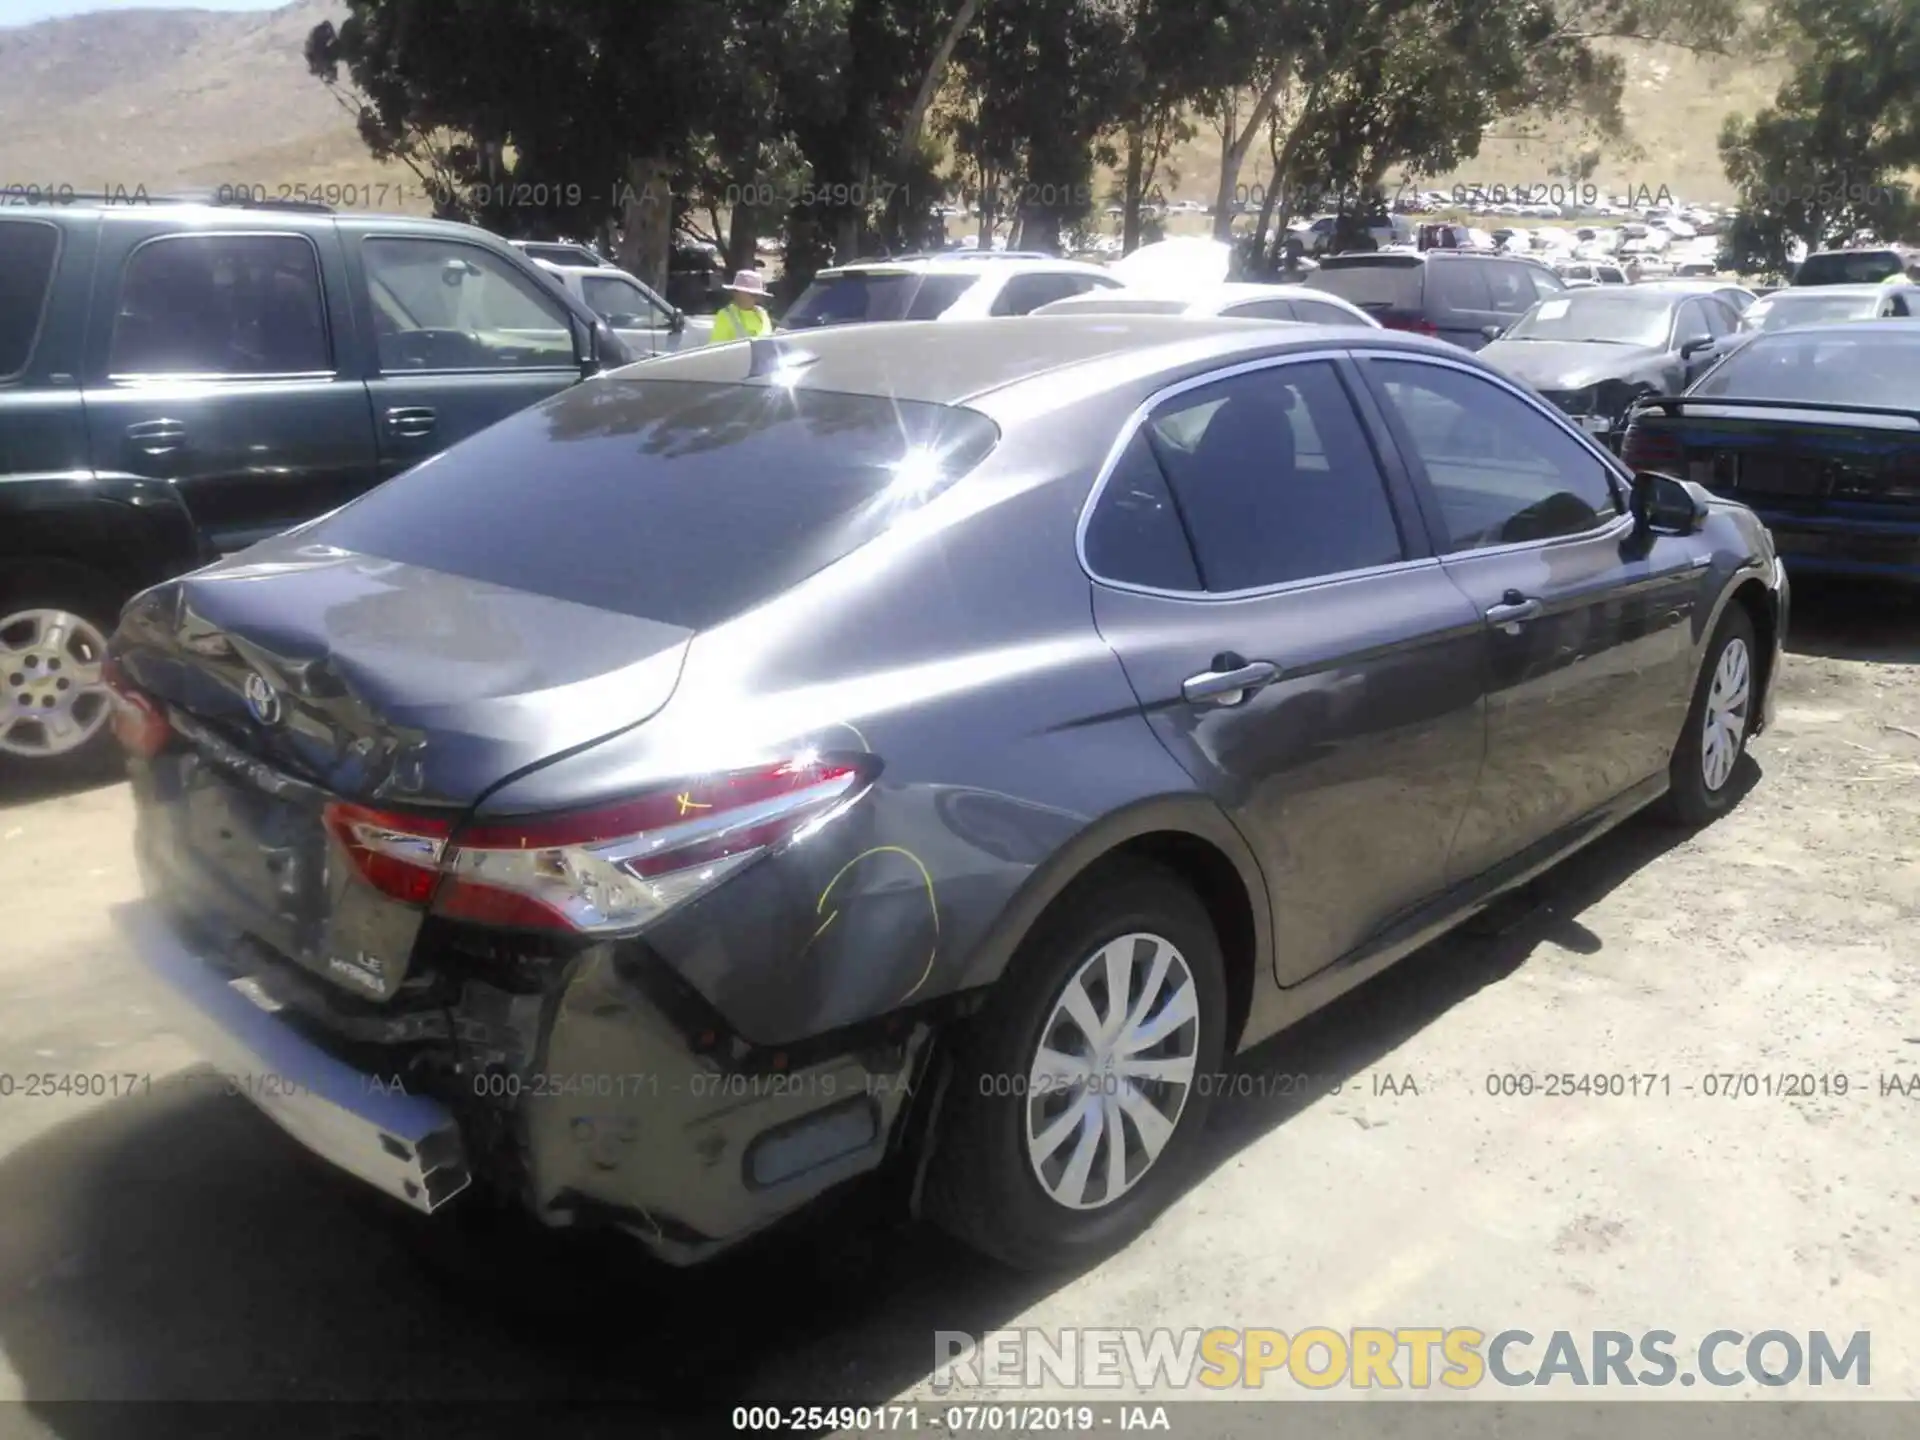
column 647, row 323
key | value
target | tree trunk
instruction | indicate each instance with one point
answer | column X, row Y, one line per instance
column 743, row 239
column 989, row 207
column 936, row 72
column 1233, row 152
column 1136, row 185
column 646, row 220
column 1277, row 210
column 851, row 227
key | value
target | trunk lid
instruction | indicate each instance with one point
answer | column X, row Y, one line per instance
column 298, row 677
column 1786, row 457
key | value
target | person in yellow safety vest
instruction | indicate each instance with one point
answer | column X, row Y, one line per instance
column 745, row 316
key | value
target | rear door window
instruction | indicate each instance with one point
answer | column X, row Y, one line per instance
column 1023, row 294
column 1510, row 286
column 217, row 305
column 1456, row 285
column 1275, row 478
column 671, row 500
column 28, row 249
column 937, row 295
column 857, row 297
column 1134, row 536
column 1545, row 283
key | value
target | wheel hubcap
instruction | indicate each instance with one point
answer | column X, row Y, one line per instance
column 1723, row 728
column 52, row 697
column 1113, row 1071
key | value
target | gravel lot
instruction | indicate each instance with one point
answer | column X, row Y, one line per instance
column 171, row 1245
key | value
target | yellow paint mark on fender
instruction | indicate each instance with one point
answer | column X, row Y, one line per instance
column 933, row 906
column 686, row 802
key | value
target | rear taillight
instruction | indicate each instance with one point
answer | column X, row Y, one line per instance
column 1648, row 448
column 399, row 855
column 1414, row 326
column 613, row 867
column 139, row 724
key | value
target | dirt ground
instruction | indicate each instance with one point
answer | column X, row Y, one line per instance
column 170, row 1244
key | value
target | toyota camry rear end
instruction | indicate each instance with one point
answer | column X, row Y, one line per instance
column 606, row 814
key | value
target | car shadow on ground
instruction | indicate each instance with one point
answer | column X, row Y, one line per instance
column 1855, row 620
column 18, row 790
column 173, row 1246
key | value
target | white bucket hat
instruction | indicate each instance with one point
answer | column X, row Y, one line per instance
column 748, row 282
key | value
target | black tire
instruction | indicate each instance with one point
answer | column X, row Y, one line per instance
column 1690, row 800
column 981, row 1185
column 49, row 586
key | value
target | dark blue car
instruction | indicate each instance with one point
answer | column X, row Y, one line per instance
column 1817, row 430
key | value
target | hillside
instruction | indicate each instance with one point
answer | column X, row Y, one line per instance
column 186, row 98
column 1675, row 103
column 170, row 99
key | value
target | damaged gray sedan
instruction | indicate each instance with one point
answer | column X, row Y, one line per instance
column 931, row 749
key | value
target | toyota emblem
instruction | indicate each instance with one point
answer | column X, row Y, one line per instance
column 262, row 699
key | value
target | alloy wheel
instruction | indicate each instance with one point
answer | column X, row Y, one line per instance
column 1723, row 725
column 53, row 699
column 1112, row 1072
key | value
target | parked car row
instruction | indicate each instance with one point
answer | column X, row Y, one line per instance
column 178, row 381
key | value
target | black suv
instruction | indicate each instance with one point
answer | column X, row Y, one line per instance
column 1858, row 267
column 1466, row 298
column 179, row 379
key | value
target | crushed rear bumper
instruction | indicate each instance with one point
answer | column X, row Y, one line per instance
column 406, row 1145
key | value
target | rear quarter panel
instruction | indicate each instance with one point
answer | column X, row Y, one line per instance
column 960, row 649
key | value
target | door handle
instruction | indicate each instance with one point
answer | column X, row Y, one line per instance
column 1513, row 608
column 158, row 437
column 1230, row 685
column 411, row 420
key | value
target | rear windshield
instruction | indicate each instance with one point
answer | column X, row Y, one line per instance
column 670, row 500
column 27, row 250
column 1375, row 286
column 1848, row 267
column 1788, row 307
column 1871, row 367
column 859, row 296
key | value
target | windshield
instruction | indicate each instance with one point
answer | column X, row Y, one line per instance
column 1869, row 367
column 1613, row 317
column 1785, row 308
column 669, row 500
column 1848, row 267
column 858, row 296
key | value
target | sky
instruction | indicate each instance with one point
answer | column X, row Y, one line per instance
column 25, row 12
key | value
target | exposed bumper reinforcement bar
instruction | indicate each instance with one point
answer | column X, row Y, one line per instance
column 406, row 1145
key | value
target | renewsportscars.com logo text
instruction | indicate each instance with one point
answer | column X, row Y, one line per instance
column 1413, row 1358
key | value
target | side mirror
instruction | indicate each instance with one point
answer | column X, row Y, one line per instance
column 1664, row 505
column 1694, row 347
column 1493, row 332
column 677, row 323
